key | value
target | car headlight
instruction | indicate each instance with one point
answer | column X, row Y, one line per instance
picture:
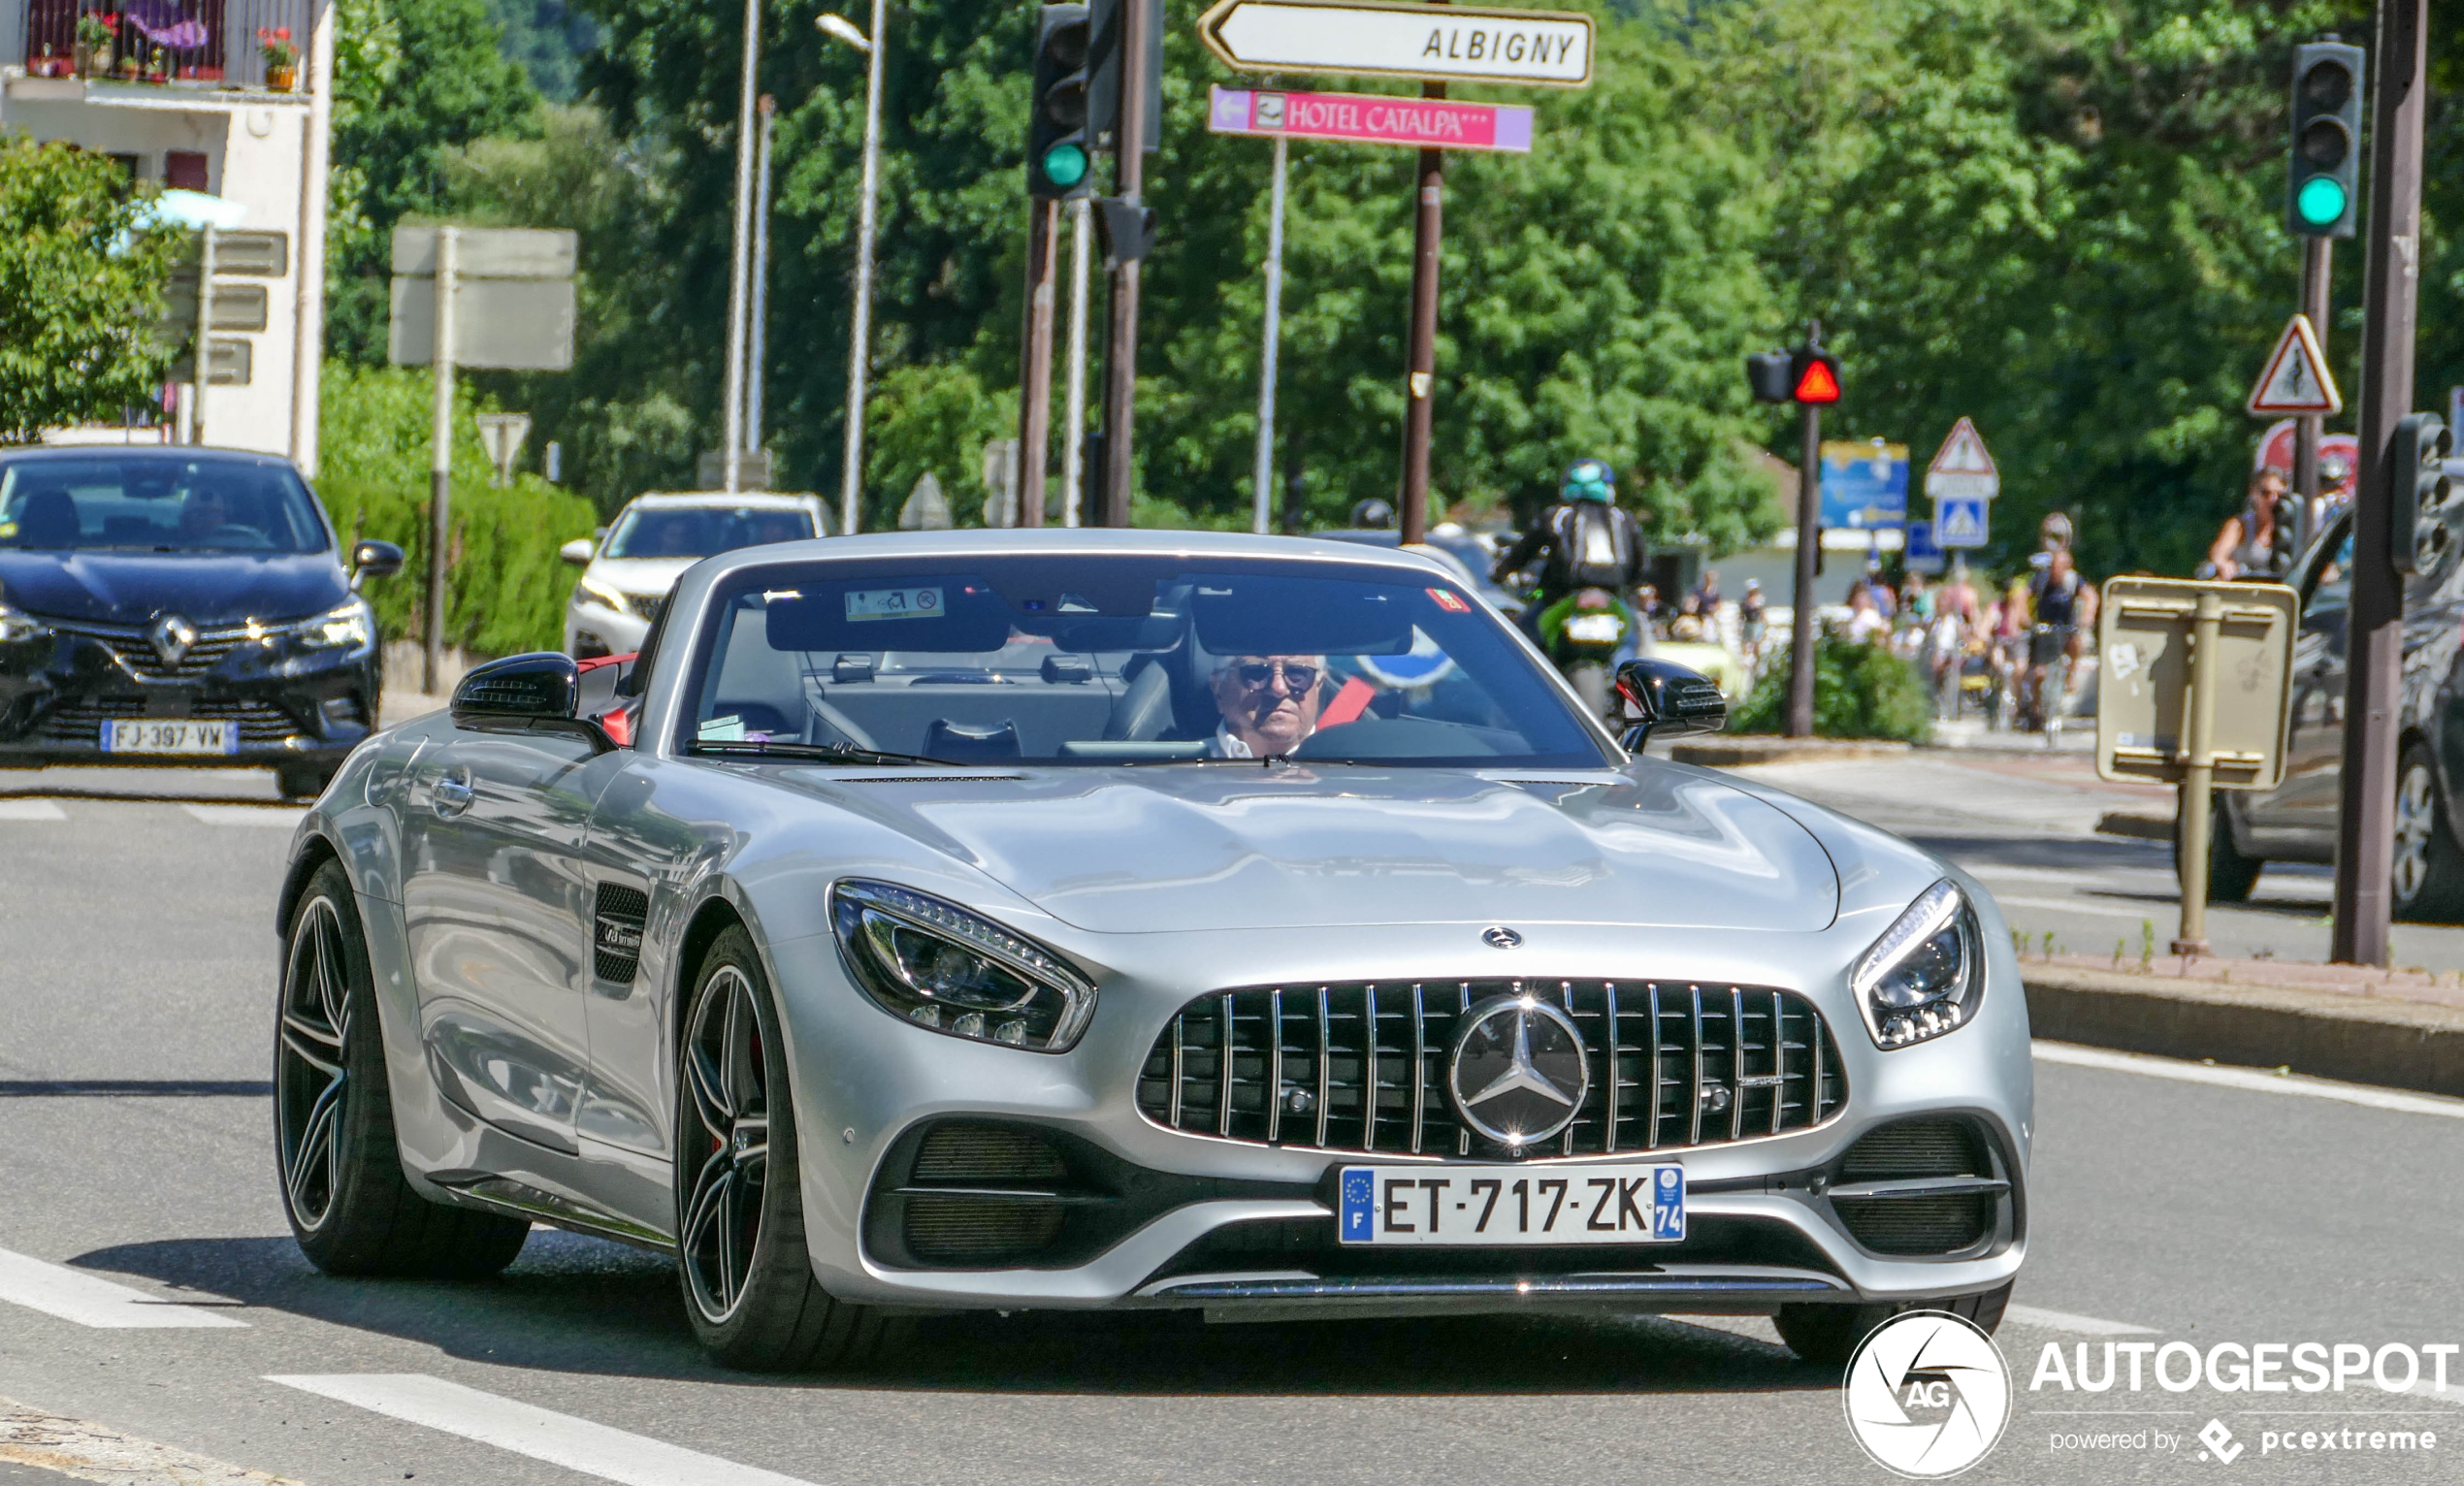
column 1925, row 974
column 349, row 628
column 16, row 627
column 947, row 969
column 612, row 596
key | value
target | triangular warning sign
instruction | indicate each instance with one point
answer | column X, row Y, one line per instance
column 1818, row 385
column 2296, row 379
column 1963, row 453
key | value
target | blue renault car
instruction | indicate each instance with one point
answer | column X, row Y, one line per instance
column 181, row 605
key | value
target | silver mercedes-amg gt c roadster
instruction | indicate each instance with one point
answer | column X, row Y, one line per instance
column 949, row 920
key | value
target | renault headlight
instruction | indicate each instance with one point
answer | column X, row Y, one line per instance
column 952, row 971
column 349, row 628
column 608, row 594
column 16, row 627
column 1925, row 974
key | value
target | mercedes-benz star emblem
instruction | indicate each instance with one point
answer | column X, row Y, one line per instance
column 1500, row 937
column 172, row 635
column 1518, row 1072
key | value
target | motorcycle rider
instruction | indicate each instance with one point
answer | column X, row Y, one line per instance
column 1583, row 541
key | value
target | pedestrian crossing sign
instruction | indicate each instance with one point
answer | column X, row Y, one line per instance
column 1961, row 521
column 2296, row 379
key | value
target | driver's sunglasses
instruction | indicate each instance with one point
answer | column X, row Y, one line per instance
column 1297, row 679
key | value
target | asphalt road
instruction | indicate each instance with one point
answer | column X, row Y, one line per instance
column 137, row 956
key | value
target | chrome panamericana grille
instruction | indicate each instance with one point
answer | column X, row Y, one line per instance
column 1362, row 1067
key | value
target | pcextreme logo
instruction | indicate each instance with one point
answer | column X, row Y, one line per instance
column 1927, row 1395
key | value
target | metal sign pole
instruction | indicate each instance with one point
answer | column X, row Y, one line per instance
column 2365, row 828
column 757, row 343
column 1035, row 371
column 1262, row 481
column 205, row 333
column 1420, row 355
column 851, row 477
column 739, row 264
column 2198, row 779
column 1121, row 351
column 1809, row 535
column 440, row 459
column 2317, row 269
column 1074, row 399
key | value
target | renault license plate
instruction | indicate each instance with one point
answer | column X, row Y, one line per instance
column 1623, row 1202
column 171, row 736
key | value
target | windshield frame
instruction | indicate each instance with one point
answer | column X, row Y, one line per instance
column 679, row 733
column 327, row 540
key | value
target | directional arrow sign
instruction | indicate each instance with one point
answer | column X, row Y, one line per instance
column 1452, row 43
column 1961, row 469
column 2296, row 379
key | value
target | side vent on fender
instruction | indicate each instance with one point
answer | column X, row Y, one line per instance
column 616, row 938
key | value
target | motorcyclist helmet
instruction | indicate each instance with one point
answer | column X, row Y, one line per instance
column 1590, row 479
column 1373, row 515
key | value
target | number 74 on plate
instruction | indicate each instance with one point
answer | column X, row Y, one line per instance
column 1509, row 1205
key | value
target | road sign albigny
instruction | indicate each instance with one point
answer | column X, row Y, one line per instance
column 1864, row 484
column 1454, row 44
column 1426, row 124
column 1962, row 468
column 2296, row 379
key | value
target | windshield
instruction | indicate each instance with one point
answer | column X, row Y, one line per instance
column 157, row 505
column 704, row 530
column 1125, row 657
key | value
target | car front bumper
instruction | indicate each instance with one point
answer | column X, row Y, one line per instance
column 62, row 688
column 593, row 629
column 1246, row 1229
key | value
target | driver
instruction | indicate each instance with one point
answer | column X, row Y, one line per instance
column 203, row 514
column 1268, row 705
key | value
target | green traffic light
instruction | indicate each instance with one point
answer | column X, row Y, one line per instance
column 2320, row 201
column 1065, row 165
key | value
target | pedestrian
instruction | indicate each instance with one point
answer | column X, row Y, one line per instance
column 2250, row 544
column 1706, row 592
column 1865, row 621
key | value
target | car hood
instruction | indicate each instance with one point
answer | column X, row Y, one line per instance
column 1217, row 847
column 207, row 589
column 654, row 576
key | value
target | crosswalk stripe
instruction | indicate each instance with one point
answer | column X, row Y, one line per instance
column 74, row 1295
column 31, row 810
column 276, row 816
column 559, row 1439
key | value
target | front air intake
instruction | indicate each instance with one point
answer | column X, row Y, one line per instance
column 1920, row 1186
column 1005, row 1207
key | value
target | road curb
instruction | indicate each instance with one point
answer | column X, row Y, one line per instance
column 2408, row 1045
column 1721, row 752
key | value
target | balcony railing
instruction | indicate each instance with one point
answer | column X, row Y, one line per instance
column 180, row 43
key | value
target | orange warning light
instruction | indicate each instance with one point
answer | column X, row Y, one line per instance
column 1817, row 378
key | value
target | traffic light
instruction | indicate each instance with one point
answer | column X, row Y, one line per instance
column 1103, row 74
column 1813, row 376
column 2417, row 491
column 2323, row 195
column 1060, row 158
column 1771, row 377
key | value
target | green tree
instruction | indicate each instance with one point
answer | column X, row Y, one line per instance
column 80, row 289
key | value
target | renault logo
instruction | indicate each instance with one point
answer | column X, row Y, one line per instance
column 1518, row 1072
column 172, row 635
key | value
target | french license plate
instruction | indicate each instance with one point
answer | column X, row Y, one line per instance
column 171, row 736
column 1626, row 1202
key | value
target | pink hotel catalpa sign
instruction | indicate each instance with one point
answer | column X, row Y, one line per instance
column 1427, row 124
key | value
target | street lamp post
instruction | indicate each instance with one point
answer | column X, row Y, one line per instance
column 739, row 271
column 851, row 476
column 757, row 343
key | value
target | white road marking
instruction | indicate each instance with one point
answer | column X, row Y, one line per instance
column 2063, row 1320
column 92, row 1452
column 2068, row 877
column 2074, row 906
column 559, row 1439
column 31, row 810
column 2254, row 1080
column 280, row 816
column 73, row 1295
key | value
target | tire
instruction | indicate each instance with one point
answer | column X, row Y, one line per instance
column 1828, row 1335
column 2231, row 874
column 1590, row 681
column 350, row 1207
column 752, row 1301
column 303, row 781
column 2428, row 878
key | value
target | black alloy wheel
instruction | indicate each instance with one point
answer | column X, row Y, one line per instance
column 740, row 1245
column 350, row 1207
column 2426, row 878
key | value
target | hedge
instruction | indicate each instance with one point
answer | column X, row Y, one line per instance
column 504, row 586
column 1860, row 692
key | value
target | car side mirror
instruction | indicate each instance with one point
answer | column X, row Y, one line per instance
column 535, row 693
column 1665, row 698
column 578, row 552
column 373, row 559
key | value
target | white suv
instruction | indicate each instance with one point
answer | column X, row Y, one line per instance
column 627, row 578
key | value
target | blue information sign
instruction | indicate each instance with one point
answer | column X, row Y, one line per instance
column 1923, row 554
column 1864, row 484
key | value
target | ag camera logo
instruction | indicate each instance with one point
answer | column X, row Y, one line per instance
column 1927, row 1395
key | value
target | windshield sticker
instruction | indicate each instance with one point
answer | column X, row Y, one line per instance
column 722, row 730
column 1448, row 600
column 895, row 603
